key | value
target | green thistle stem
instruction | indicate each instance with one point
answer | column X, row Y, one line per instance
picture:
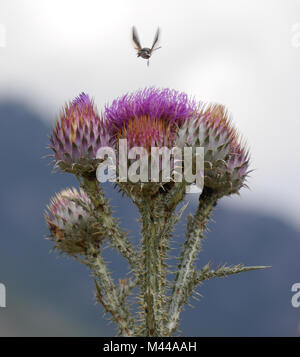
column 158, row 221
column 185, row 271
column 103, row 214
column 107, row 292
column 152, row 281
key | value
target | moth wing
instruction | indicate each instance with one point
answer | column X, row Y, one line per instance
column 135, row 39
column 156, row 38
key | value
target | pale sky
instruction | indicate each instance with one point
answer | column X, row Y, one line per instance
column 243, row 54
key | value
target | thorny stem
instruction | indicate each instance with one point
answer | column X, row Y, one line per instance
column 158, row 222
column 103, row 214
column 185, row 271
column 110, row 300
column 160, row 317
column 153, row 276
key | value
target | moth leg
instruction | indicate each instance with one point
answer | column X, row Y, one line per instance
column 156, row 48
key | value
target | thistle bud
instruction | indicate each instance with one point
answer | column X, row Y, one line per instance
column 77, row 136
column 226, row 159
column 70, row 225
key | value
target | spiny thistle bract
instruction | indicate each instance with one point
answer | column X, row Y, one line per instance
column 80, row 221
column 77, row 136
column 70, row 225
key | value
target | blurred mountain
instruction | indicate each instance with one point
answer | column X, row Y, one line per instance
column 49, row 295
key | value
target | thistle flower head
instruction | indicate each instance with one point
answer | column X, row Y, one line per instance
column 77, row 136
column 149, row 117
column 70, row 226
column 226, row 158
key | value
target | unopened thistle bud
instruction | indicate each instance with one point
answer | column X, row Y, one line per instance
column 226, row 159
column 77, row 136
column 70, row 225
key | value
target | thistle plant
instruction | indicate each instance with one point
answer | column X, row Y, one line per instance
column 81, row 224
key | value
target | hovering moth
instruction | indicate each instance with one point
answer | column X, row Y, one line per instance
column 144, row 52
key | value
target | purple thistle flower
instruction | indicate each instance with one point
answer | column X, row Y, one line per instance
column 149, row 117
column 83, row 100
column 165, row 105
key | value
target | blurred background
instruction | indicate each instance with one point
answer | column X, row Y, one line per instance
column 241, row 53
